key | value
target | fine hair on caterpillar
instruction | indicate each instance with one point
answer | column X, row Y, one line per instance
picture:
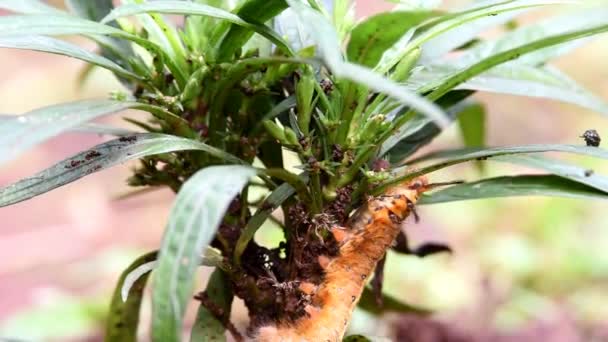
column 363, row 241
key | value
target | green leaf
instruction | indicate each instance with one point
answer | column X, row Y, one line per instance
column 420, row 130
column 206, row 326
column 368, row 303
column 212, row 257
column 121, row 325
column 356, row 338
column 514, row 79
column 95, row 10
column 573, row 20
column 123, row 317
column 101, row 157
column 372, row 37
column 456, row 79
column 196, row 214
column 273, row 201
column 29, row 7
column 467, row 154
column 190, row 8
column 329, row 47
column 60, row 47
column 24, row 131
column 367, row 338
column 472, row 123
column 24, row 25
column 511, row 186
column 95, row 128
column 448, row 23
column 453, row 157
column 559, row 168
column 343, row 16
column 163, row 33
column 47, row 24
column 91, row 128
column 252, row 11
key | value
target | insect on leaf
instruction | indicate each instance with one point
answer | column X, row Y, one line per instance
column 101, row 157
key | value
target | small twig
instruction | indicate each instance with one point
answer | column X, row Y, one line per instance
column 219, row 314
column 378, row 281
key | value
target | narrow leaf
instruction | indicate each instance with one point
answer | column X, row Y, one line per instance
column 467, row 154
column 559, row 168
column 274, row 200
column 38, row 24
column 472, row 123
column 252, row 11
column 123, row 318
column 514, row 79
column 191, row 8
column 101, row 157
column 212, row 257
column 372, row 37
column 196, row 214
column 60, row 47
column 458, row 78
column 368, row 303
column 573, row 20
column 95, row 11
column 294, row 31
column 356, row 338
column 453, row 157
column 420, row 130
column 24, row 25
column 329, row 46
column 29, row 7
column 206, row 326
column 22, row 132
column 456, row 23
column 93, row 128
column 512, row 186
column 101, row 129
column 25, row 131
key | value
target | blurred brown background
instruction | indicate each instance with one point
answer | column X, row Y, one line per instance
column 523, row 269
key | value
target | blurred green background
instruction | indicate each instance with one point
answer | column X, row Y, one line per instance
column 522, row 269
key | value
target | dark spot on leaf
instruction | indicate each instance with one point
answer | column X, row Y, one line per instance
column 588, row 173
column 73, row 163
column 91, row 155
column 129, row 139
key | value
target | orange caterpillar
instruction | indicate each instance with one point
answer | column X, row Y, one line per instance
column 371, row 231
